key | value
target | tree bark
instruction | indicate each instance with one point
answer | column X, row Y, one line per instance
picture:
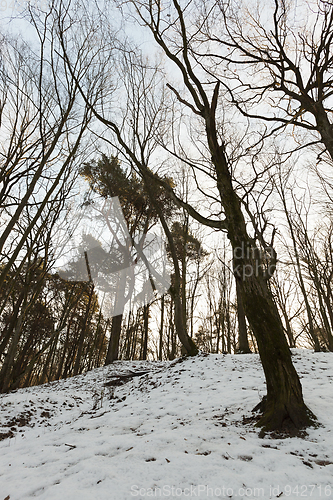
column 160, row 346
column 243, row 343
column 113, row 348
column 284, row 404
column 145, row 331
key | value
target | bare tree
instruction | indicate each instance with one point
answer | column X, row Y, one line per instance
column 43, row 120
column 178, row 36
column 44, row 124
column 280, row 64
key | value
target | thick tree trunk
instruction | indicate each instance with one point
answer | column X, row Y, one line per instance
column 284, row 405
column 324, row 127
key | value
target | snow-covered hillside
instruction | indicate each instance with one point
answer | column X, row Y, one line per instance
column 182, row 430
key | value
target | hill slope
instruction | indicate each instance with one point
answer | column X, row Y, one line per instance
column 181, row 430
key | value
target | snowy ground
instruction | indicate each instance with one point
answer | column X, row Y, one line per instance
column 180, row 431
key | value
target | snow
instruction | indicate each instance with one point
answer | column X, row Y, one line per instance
column 175, row 432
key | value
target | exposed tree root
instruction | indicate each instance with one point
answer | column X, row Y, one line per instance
column 284, row 420
column 118, row 380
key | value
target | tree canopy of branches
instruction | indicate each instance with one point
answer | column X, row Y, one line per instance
column 279, row 64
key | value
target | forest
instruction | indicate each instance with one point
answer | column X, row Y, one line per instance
column 166, row 187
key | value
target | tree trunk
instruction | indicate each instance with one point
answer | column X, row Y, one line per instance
column 135, row 336
column 6, row 369
column 284, row 404
column 243, row 343
column 330, row 314
column 289, row 331
column 46, row 372
column 145, row 331
column 113, row 348
column 128, row 338
column 160, row 347
column 324, row 127
column 180, row 322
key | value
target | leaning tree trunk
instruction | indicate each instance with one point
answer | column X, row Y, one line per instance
column 284, row 403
